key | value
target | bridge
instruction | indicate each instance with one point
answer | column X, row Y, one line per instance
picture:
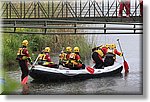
column 74, row 17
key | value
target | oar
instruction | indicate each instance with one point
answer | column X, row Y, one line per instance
column 126, row 66
column 35, row 61
column 25, row 80
column 89, row 69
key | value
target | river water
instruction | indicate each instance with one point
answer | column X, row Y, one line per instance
column 130, row 84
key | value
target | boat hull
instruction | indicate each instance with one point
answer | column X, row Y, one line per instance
column 42, row 75
column 45, row 73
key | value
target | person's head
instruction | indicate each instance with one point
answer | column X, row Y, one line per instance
column 68, row 49
column 47, row 49
column 107, row 45
column 112, row 46
column 76, row 49
column 25, row 43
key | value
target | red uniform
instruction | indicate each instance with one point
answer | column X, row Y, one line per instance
column 47, row 57
column 68, row 56
column 48, row 62
column 141, row 7
column 23, row 57
column 126, row 4
column 75, row 61
column 117, row 52
column 98, row 55
column 78, row 58
column 104, row 49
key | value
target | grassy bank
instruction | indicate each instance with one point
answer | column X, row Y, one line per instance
column 11, row 43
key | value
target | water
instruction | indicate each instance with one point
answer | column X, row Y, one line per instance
column 131, row 84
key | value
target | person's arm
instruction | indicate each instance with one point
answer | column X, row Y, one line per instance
column 78, row 58
column 48, row 57
column 26, row 52
column 117, row 52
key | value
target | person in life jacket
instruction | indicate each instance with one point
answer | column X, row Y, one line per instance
column 40, row 57
column 98, row 55
column 74, row 61
column 23, row 58
column 46, row 60
column 110, row 56
column 64, row 56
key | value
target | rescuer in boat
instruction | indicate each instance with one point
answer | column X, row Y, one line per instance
column 98, row 55
column 74, row 61
column 64, row 56
column 40, row 57
column 46, row 60
column 24, row 58
column 110, row 56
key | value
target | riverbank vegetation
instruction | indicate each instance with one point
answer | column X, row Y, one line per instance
column 11, row 43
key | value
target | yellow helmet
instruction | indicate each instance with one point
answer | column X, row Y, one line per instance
column 76, row 49
column 25, row 42
column 107, row 45
column 113, row 46
column 47, row 49
column 68, row 49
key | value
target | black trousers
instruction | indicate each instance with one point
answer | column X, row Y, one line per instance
column 24, row 68
column 109, row 59
column 98, row 62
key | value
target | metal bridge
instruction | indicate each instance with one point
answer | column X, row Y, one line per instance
column 48, row 17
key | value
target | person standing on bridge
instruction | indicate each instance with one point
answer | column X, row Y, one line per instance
column 141, row 8
column 126, row 4
column 23, row 57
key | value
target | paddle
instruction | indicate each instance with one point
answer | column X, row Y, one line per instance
column 25, row 80
column 89, row 69
column 126, row 66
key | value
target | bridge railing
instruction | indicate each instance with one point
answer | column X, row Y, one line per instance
column 45, row 26
column 66, row 8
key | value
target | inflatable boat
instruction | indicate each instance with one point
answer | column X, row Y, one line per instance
column 46, row 73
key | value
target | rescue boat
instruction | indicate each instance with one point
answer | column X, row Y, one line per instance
column 43, row 73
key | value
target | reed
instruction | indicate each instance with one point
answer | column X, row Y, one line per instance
column 11, row 43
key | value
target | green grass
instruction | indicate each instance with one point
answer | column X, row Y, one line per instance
column 9, row 85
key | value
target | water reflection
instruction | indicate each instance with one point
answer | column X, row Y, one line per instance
column 25, row 89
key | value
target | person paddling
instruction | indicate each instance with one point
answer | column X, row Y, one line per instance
column 110, row 56
column 23, row 58
column 74, row 61
column 46, row 60
column 98, row 55
column 64, row 56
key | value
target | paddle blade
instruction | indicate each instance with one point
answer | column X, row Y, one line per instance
column 126, row 67
column 89, row 69
column 24, row 81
